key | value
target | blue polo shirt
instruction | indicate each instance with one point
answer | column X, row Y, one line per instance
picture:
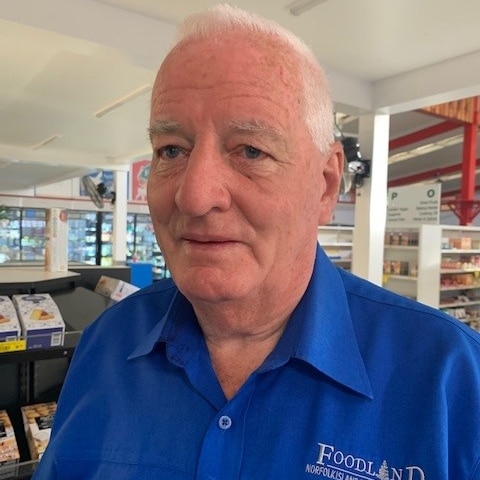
column 363, row 385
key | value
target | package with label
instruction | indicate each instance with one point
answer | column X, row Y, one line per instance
column 56, row 240
column 9, row 324
column 114, row 288
column 9, row 453
column 41, row 321
column 37, row 421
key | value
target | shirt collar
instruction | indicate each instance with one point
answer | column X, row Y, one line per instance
column 327, row 339
column 320, row 330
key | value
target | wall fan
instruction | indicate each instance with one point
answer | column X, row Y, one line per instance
column 97, row 192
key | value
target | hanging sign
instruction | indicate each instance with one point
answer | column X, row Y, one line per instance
column 413, row 205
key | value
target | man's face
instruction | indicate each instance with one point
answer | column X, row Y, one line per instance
column 236, row 187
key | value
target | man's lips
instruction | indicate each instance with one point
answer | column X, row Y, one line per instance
column 207, row 239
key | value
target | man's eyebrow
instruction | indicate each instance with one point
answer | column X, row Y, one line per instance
column 163, row 127
column 255, row 127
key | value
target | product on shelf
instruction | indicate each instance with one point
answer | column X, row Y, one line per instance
column 9, row 453
column 41, row 321
column 114, row 288
column 9, row 324
column 56, row 240
column 37, row 421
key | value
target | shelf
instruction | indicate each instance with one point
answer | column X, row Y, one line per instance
column 402, row 247
column 460, row 251
column 64, row 351
column 337, row 244
column 21, row 471
column 446, row 271
column 453, row 288
column 459, row 304
column 407, row 278
column 433, row 256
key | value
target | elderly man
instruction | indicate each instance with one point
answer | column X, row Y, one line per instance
column 260, row 360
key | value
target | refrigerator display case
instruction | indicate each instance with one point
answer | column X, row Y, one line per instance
column 142, row 244
column 32, row 235
column 10, row 236
column 105, row 224
column 82, row 237
column 22, row 235
column 140, row 238
column 90, row 237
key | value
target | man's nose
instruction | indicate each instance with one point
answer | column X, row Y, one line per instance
column 205, row 183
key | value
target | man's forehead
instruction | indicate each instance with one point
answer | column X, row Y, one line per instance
column 236, row 51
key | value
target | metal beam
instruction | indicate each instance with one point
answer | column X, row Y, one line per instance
column 423, row 134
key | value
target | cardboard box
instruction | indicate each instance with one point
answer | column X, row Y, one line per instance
column 114, row 288
column 41, row 321
column 37, row 421
column 9, row 453
column 56, row 240
column 9, row 324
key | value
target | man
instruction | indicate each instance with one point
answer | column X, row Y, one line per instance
column 262, row 360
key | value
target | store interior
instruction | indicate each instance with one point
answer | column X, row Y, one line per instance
column 75, row 87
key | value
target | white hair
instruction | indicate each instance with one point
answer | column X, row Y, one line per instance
column 317, row 103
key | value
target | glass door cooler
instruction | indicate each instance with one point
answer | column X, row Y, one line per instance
column 32, row 235
column 82, row 237
column 10, row 235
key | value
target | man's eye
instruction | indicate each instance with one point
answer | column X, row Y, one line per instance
column 170, row 151
column 252, row 152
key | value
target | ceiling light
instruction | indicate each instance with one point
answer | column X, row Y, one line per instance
column 301, row 6
column 121, row 101
column 46, row 141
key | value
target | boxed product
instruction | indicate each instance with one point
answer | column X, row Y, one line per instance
column 462, row 243
column 9, row 324
column 56, row 240
column 41, row 321
column 9, row 453
column 114, row 288
column 37, row 421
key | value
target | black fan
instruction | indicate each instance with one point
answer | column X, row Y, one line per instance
column 97, row 192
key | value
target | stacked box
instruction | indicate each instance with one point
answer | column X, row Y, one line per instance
column 56, row 240
column 9, row 324
column 9, row 453
column 41, row 321
column 37, row 421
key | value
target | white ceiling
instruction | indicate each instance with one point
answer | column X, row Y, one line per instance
column 63, row 60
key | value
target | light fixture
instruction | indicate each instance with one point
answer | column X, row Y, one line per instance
column 121, row 101
column 354, row 164
column 301, row 6
column 46, row 141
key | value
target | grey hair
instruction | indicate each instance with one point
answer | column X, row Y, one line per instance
column 317, row 102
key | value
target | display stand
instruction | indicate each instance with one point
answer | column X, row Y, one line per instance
column 33, row 376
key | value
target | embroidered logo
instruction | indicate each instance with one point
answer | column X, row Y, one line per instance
column 334, row 464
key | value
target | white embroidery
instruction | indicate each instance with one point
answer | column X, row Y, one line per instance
column 334, row 464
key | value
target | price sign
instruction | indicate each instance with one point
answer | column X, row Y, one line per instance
column 13, row 346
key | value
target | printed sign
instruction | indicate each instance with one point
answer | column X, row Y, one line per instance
column 414, row 205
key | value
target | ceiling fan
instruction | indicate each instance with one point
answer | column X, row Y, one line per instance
column 97, row 192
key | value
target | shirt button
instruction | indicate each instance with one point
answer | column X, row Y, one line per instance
column 224, row 422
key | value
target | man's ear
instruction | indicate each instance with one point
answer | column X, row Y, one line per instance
column 332, row 174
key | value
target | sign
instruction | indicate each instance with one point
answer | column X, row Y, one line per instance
column 413, row 205
column 139, row 175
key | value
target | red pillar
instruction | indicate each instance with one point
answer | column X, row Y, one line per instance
column 467, row 192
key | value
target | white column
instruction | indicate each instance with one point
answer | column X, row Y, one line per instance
column 120, row 218
column 371, row 199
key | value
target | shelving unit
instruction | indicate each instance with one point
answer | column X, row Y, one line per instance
column 400, row 265
column 35, row 376
column 449, row 271
column 336, row 240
